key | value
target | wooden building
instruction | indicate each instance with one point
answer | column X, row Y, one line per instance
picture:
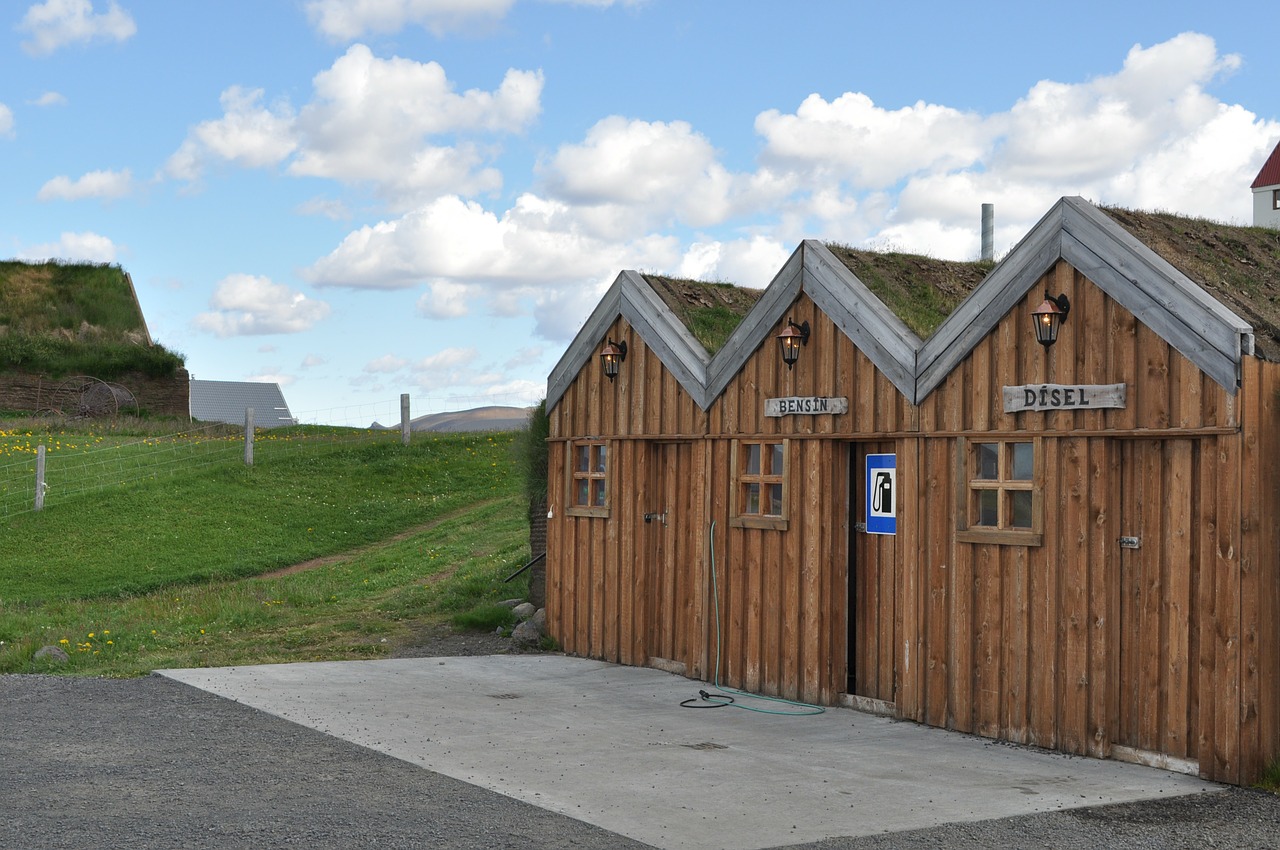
column 1070, row 545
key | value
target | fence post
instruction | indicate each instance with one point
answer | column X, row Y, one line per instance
column 404, row 418
column 40, row 477
column 248, row 436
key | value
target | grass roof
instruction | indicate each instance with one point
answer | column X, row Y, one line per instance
column 1239, row 266
column 75, row 319
column 711, row 311
column 921, row 291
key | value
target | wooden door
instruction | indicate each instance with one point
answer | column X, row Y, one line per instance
column 872, row 606
column 1159, row 574
column 669, row 510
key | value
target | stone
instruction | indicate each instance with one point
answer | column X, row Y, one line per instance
column 54, row 652
column 524, row 610
column 510, row 603
column 532, row 630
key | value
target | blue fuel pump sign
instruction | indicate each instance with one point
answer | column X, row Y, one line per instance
column 882, row 494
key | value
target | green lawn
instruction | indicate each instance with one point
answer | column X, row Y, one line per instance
column 153, row 552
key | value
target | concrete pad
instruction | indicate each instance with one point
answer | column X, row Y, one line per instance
column 611, row 746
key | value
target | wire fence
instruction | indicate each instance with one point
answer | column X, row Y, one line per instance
column 85, row 461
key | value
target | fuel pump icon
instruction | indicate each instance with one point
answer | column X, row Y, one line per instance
column 882, row 493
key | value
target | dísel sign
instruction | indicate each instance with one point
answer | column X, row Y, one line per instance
column 1064, row 397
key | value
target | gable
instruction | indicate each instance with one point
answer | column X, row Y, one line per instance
column 1270, row 173
column 1161, row 296
column 226, row 401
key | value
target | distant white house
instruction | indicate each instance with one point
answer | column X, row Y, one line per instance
column 226, row 401
column 1266, row 192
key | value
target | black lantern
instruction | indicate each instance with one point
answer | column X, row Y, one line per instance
column 611, row 356
column 1049, row 316
column 792, row 337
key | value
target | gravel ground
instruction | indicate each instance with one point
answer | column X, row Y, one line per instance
column 151, row 763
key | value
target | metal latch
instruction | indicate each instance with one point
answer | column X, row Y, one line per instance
column 662, row 517
column 1130, row 542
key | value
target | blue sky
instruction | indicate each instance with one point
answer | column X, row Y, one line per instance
column 361, row 198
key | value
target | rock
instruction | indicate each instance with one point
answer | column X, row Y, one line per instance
column 510, row 603
column 524, row 610
column 53, row 652
column 531, row 631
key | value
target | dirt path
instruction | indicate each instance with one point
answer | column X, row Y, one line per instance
column 338, row 557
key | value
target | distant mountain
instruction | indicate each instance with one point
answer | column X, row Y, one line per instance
column 494, row 418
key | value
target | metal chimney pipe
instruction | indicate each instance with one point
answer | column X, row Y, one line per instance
column 988, row 232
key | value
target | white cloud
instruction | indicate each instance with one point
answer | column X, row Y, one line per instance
column 94, row 184
column 350, row 19
column 245, row 305
column 745, row 262
column 272, row 376
column 311, row 361
column 851, row 139
column 632, row 174
column 57, row 23
column 391, row 124
column 445, row 300
column 87, row 247
column 248, row 134
column 536, row 253
column 50, row 98
column 386, row 364
column 536, row 242
column 6, row 122
column 451, row 367
column 329, row 208
column 1149, row 135
column 370, row 120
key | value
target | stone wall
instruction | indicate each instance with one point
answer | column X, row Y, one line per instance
column 30, row 392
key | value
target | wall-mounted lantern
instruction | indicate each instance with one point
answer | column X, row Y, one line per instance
column 792, row 337
column 1049, row 316
column 611, row 356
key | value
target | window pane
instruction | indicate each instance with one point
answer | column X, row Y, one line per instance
column 751, row 502
column 753, row 459
column 582, row 492
column 583, row 460
column 601, row 453
column 597, row 487
column 1024, row 463
column 775, row 459
column 988, row 458
column 775, row 500
column 1020, row 502
column 986, row 503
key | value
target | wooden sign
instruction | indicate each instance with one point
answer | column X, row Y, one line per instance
column 1064, row 397
column 810, row 405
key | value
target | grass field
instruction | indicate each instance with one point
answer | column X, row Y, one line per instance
column 162, row 550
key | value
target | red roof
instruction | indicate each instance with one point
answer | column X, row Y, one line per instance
column 1270, row 173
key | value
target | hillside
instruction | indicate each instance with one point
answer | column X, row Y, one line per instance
column 492, row 418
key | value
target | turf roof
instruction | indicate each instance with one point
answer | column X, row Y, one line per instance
column 1239, row 266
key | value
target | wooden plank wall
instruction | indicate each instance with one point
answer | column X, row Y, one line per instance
column 599, row 580
column 1024, row 643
